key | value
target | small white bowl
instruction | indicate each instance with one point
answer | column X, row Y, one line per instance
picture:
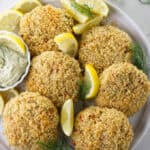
column 26, row 69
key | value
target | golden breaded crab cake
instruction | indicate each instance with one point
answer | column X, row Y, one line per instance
column 55, row 75
column 28, row 119
column 123, row 87
column 39, row 27
column 102, row 46
column 101, row 129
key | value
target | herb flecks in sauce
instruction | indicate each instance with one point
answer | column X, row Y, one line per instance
column 12, row 66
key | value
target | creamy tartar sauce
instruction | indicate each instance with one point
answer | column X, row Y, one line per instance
column 12, row 65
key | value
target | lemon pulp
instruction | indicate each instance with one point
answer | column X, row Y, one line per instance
column 80, row 28
column 10, row 20
column 1, row 105
column 97, row 6
column 78, row 12
column 91, row 79
column 27, row 5
column 13, row 41
column 67, row 43
column 67, row 117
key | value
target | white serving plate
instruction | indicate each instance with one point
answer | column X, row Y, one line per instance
column 141, row 120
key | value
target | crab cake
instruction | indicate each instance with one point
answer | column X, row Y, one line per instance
column 28, row 119
column 55, row 75
column 102, row 46
column 101, row 129
column 39, row 27
column 123, row 87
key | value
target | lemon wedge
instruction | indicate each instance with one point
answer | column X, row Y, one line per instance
column 80, row 28
column 10, row 20
column 9, row 94
column 67, row 43
column 91, row 81
column 1, row 105
column 27, row 5
column 97, row 6
column 12, row 41
column 80, row 13
column 67, row 117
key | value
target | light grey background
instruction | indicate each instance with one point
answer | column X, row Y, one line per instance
column 139, row 13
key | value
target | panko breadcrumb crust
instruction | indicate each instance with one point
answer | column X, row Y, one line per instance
column 102, row 46
column 123, row 87
column 101, row 129
column 55, row 75
column 28, row 119
column 39, row 27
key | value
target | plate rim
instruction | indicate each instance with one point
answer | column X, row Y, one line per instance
column 146, row 118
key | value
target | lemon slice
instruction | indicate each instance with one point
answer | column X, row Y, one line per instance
column 10, row 20
column 67, row 117
column 78, row 12
column 27, row 5
column 80, row 28
column 97, row 6
column 1, row 105
column 12, row 41
column 91, row 79
column 7, row 95
column 67, row 43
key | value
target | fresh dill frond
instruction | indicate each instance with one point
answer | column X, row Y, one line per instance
column 60, row 144
column 84, row 9
column 145, row 1
column 84, row 88
column 63, row 143
column 138, row 57
column 50, row 145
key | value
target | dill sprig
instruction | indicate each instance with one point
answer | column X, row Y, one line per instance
column 60, row 144
column 84, row 9
column 50, row 145
column 138, row 57
column 84, row 88
column 145, row 1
